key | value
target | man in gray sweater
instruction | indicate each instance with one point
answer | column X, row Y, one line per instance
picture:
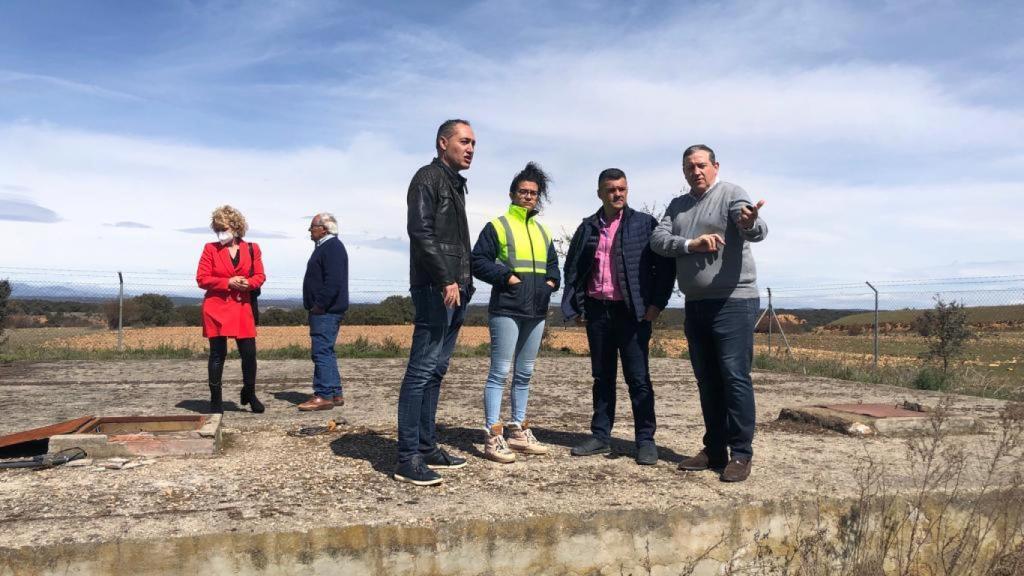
column 708, row 232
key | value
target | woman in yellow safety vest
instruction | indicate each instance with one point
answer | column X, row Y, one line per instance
column 515, row 255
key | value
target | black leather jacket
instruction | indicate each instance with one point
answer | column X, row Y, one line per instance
column 439, row 251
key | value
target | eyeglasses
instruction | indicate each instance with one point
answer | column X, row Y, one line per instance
column 527, row 193
column 315, row 226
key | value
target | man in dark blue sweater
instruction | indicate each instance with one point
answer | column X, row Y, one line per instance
column 325, row 296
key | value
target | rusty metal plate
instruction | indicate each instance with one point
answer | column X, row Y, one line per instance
column 68, row 427
column 876, row 410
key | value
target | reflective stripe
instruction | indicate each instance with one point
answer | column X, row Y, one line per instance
column 517, row 264
column 508, row 251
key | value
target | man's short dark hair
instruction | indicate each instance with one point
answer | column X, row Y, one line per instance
column 610, row 174
column 697, row 148
column 532, row 173
column 446, row 129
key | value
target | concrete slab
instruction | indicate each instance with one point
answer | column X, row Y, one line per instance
column 309, row 499
column 878, row 419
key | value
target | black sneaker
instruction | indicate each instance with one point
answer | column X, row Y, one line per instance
column 590, row 447
column 416, row 472
column 646, row 454
column 443, row 460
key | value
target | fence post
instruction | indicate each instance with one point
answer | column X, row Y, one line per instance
column 875, row 290
column 770, row 312
column 120, row 313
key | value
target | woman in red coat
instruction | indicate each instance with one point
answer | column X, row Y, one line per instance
column 229, row 270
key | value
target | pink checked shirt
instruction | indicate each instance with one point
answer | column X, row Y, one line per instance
column 602, row 284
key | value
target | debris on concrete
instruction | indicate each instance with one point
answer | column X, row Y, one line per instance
column 882, row 419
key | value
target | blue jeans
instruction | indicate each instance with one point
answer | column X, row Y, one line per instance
column 720, row 335
column 433, row 340
column 613, row 331
column 518, row 339
column 323, row 332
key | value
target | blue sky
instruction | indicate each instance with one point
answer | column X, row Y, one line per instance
column 887, row 138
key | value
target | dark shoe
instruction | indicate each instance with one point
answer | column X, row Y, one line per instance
column 316, row 403
column 416, row 472
column 736, row 471
column 702, row 462
column 338, row 400
column 590, row 447
column 216, row 400
column 441, row 459
column 249, row 397
column 646, row 454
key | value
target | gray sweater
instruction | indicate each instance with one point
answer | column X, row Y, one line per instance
column 728, row 273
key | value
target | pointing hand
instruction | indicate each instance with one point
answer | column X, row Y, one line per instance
column 748, row 215
column 706, row 243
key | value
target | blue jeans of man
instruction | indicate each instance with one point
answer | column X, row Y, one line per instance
column 612, row 332
column 512, row 340
column 323, row 332
column 720, row 335
column 435, row 331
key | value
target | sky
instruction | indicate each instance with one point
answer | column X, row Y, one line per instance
column 886, row 138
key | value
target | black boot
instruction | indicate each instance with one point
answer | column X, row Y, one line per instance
column 249, row 397
column 215, row 369
column 216, row 401
column 247, row 350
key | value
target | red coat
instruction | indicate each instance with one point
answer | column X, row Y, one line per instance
column 228, row 312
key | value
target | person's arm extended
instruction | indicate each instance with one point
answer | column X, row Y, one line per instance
column 747, row 217
column 663, row 241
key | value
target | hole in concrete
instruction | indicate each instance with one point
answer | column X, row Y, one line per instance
column 143, row 424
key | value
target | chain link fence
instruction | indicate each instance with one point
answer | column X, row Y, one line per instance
column 872, row 323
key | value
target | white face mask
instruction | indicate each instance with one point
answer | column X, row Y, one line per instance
column 225, row 237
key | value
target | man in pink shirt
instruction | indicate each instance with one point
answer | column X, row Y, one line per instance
column 617, row 286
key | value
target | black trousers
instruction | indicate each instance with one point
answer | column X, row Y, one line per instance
column 612, row 332
column 219, row 351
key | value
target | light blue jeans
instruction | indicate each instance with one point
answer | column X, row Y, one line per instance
column 513, row 341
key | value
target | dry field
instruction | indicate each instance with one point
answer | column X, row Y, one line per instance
column 994, row 353
column 271, row 337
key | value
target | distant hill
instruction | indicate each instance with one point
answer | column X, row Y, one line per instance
column 978, row 315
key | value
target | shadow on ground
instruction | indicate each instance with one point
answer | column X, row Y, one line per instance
column 203, row 406
column 380, row 450
column 291, row 396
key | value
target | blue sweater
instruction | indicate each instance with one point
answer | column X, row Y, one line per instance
column 326, row 282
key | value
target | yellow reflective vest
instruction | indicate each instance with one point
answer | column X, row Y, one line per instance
column 522, row 241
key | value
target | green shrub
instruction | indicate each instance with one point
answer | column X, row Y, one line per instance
column 284, row 317
column 5, row 294
column 142, row 310
column 931, row 379
column 946, row 328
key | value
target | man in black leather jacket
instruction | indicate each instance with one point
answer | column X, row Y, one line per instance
column 441, row 285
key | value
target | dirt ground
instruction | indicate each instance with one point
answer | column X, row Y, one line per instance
column 267, row 481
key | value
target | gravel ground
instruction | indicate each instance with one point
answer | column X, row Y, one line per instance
column 266, row 480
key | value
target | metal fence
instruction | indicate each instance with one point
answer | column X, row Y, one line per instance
column 877, row 320
column 870, row 318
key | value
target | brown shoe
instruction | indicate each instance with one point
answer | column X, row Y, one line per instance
column 338, row 400
column 701, row 462
column 316, row 403
column 496, row 448
column 736, row 471
column 521, row 439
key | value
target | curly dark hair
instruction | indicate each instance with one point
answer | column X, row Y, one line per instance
column 532, row 173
